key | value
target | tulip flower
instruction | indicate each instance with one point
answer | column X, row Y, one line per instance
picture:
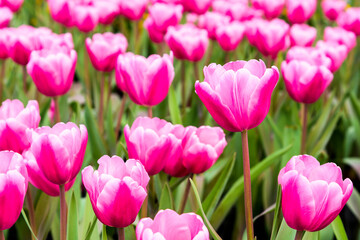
column 4, row 43
column 107, row 10
column 54, row 40
column 333, row 8
column 210, row 21
column 62, row 11
column 271, row 9
column 187, row 42
column 167, row 224
column 236, row 10
column 230, row 35
column 116, row 190
column 312, row 55
column 14, row 183
column 86, row 17
column 146, row 80
column 341, row 36
column 313, row 195
column 103, row 50
column 5, row 16
column 52, row 70
column 336, row 52
column 299, row 11
column 350, row 20
column 196, row 6
column 133, row 9
column 14, row 5
column 302, row 35
column 14, row 121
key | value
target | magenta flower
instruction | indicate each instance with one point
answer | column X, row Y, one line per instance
column 5, row 16
column 299, row 11
column 54, row 40
column 14, row 183
column 230, row 35
column 333, row 8
column 4, row 43
column 62, row 11
column 167, row 224
column 59, row 151
column 187, row 42
column 104, row 49
column 341, row 36
column 133, row 9
column 52, row 70
column 107, row 10
column 350, row 20
column 116, row 190
column 302, row 35
column 236, row 10
column 312, row 195
column 271, row 9
column 146, row 80
column 14, row 121
column 312, row 55
column 238, row 94
column 85, row 16
column 336, row 52
column 14, row 5
column 196, row 6
column 210, row 21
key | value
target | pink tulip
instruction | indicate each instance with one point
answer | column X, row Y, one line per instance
column 333, row 8
column 210, row 21
column 269, row 37
column 107, row 11
column 341, row 36
column 14, row 5
column 238, row 94
column 14, row 121
column 336, row 52
column 312, row 55
column 304, row 81
column 52, row 70
column 146, row 80
column 312, row 195
column 103, row 50
column 5, row 17
column 133, row 9
column 54, row 40
column 59, row 151
column 62, row 11
column 236, row 10
column 116, row 190
column 299, row 11
column 302, row 35
column 187, row 42
column 151, row 142
column 350, row 20
column 155, row 34
column 14, row 183
column 167, row 224
column 230, row 35
column 196, row 6
column 272, row 9
column 38, row 179
column 4, row 43
column 86, row 17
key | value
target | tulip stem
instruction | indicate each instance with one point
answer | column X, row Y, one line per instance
column 2, row 79
column 121, row 233
column 145, row 206
column 31, row 211
column 247, row 186
column 185, row 196
column 183, row 89
column 196, row 71
column 298, row 235
column 101, row 107
column 210, row 51
column 150, row 113
column 109, row 89
column 2, row 237
column 227, row 56
column 86, row 75
column 63, row 213
column 24, row 78
column 57, row 110
column 304, row 110
column 121, row 112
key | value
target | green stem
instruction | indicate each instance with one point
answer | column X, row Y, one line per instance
column 145, row 205
column 2, row 79
column 121, row 112
column 63, row 213
column 298, row 235
column 2, row 237
column 121, row 233
column 31, row 211
column 57, row 110
column 109, row 89
column 86, row 74
column 247, row 186
column 185, row 196
column 304, row 110
column 101, row 106
column 150, row 113
column 209, row 52
column 183, row 87
column 24, row 72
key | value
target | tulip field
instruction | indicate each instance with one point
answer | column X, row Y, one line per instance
column 179, row 119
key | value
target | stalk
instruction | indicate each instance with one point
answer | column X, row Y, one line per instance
column 2, row 79
column 247, row 186
column 57, row 110
column 121, row 233
column 121, row 112
column 31, row 211
column 24, row 72
column 63, row 213
column 150, row 113
column 183, row 87
column 86, row 74
column 185, row 196
column 109, row 88
column 304, row 110
column 298, row 235
column 101, row 107
column 2, row 237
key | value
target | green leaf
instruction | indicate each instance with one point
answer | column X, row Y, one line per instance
column 130, row 233
column 339, row 229
column 104, row 234
column 27, row 223
column 109, row 130
column 89, row 222
column 237, row 188
column 214, row 196
column 174, row 107
column 354, row 163
column 356, row 104
column 166, row 200
column 277, row 215
column 311, row 236
column 285, row 232
column 354, row 203
column 206, row 221
column 45, row 212
column 72, row 226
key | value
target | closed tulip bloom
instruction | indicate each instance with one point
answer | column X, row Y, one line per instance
column 134, row 9
column 299, row 11
column 62, row 11
column 236, row 10
column 52, row 70
column 304, row 81
column 14, row 121
column 230, row 35
column 313, row 195
column 107, row 11
column 341, row 36
column 302, row 35
column 4, row 43
column 86, row 17
column 146, row 80
column 116, row 190
column 272, row 9
column 14, row 5
column 155, row 34
column 5, row 17
column 312, row 55
column 196, row 6
column 14, row 183
column 167, row 225
column 187, row 42
column 210, row 21
column 350, row 20
column 336, row 52
column 238, row 94
column 54, row 40
column 150, row 141
column 333, row 8
column 59, row 151
column 103, row 50
column 38, row 179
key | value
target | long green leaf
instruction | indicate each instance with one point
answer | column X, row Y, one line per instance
column 72, row 226
column 277, row 215
column 27, row 223
column 354, row 203
column 285, row 232
column 339, row 229
column 45, row 213
column 166, row 200
column 104, row 234
column 174, row 107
